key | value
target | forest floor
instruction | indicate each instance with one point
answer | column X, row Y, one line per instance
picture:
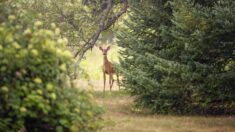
column 121, row 117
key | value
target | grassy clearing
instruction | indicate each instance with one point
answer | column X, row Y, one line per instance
column 120, row 118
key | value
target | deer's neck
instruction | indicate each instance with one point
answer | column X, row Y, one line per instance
column 106, row 61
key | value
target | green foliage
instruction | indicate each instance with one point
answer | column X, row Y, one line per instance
column 78, row 19
column 33, row 91
column 178, row 56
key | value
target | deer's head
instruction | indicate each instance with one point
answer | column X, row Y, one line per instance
column 104, row 51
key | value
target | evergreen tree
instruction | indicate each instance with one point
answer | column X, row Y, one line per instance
column 141, row 38
column 206, row 35
column 178, row 56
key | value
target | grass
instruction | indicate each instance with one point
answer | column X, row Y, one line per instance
column 120, row 118
column 110, row 95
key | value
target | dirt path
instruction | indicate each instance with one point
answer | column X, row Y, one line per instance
column 119, row 117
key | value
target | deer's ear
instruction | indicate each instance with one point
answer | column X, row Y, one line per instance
column 108, row 48
column 101, row 48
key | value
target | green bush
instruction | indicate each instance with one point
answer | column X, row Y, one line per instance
column 33, row 91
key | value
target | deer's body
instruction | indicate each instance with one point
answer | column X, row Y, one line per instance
column 108, row 69
column 107, row 66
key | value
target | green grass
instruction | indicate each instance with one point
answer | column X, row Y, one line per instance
column 120, row 117
column 110, row 95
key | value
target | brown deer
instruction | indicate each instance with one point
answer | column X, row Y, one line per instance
column 108, row 69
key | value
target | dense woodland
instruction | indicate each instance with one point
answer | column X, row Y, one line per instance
column 177, row 57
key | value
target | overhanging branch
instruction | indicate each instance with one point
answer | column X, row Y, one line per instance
column 104, row 25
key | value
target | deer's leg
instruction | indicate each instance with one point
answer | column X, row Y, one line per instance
column 111, row 80
column 118, row 81
column 104, row 80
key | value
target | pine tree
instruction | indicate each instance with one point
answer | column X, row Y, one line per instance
column 178, row 56
column 206, row 33
column 145, row 56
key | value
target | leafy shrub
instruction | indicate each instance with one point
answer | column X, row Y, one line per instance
column 33, row 91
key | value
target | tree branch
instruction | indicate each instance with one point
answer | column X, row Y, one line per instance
column 102, row 26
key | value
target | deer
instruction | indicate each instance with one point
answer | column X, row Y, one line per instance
column 108, row 68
